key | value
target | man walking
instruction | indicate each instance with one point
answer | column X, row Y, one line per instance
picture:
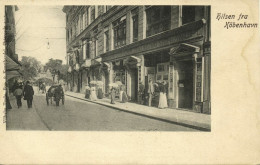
column 28, row 93
column 150, row 91
column 18, row 92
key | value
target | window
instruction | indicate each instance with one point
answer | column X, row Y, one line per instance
column 106, row 40
column 188, row 14
column 158, row 19
column 119, row 27
column 135, row 25
column 87, row 50
column 84, row 50
column 89, row 15
column 92, row 13
column 83, row 20
column 80, row 23
column 95, row 48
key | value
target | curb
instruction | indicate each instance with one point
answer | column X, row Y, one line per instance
column 148, row 116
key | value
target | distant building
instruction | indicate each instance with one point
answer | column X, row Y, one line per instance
column 133, row 44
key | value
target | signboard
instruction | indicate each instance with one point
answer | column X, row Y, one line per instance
column 198, row 80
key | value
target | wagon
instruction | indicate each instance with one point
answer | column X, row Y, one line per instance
column 50, row 96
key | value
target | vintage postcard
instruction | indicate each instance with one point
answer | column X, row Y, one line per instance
column 113, row 82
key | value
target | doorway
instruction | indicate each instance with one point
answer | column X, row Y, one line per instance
column 185, row 84
column 134, row 84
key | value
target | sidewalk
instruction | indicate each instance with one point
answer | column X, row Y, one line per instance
column 23, row 118
column 180, row 117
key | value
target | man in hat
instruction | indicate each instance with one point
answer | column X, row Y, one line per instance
column 28, row 93
column 58, row 94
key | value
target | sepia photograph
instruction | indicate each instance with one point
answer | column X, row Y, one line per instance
column 130, row 82
column 108, row 68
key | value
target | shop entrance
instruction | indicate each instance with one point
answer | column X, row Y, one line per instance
column 134, row 84
column 185, row 84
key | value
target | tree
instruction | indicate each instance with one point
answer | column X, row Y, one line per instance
column 30, row 67
column 56, row 68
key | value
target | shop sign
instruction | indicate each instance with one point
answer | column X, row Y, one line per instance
column 198, row 80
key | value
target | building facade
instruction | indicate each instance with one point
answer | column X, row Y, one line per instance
column 12, row 66
column 133, row 44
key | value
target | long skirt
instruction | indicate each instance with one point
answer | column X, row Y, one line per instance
column 162, row 100
column 113, row 95
column 120, row 95
column 93, row 96
column 124, row 97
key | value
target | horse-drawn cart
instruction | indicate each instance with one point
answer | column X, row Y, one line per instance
column 55, row 93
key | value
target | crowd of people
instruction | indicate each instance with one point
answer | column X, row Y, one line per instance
column 21, row 90
column 94, row 92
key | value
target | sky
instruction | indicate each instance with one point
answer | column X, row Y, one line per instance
column 36, row 26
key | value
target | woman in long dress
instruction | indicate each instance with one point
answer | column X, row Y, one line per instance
column 124, row 95
column 113, row 95
column 87, row 92
column 162, row 96
column 93, row 95
column 100, row 93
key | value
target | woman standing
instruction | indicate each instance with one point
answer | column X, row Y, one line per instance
column 162, row 97
column 18, row 93
column 124, row 95
column 113, row 95
column 100, row 93
column 93, row 95
column 87, row 92
column 28, row 93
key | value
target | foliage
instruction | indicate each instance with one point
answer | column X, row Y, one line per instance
column 30, row 67
column 56, row 68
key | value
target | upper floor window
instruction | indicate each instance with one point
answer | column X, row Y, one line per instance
column 95, row 48
column 158, row 19
column 106, row 40
column 119, row 27
column 134, row 25
column 92, row 13
column 188, row 14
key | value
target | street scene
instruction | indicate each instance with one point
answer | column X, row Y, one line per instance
column 108, row 68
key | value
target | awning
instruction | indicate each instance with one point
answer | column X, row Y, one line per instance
column 11, row 74
column 184, row 47
column 11, row 64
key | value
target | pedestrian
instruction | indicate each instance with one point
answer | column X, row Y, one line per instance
column 100, row 93
column 18, row 93
column 124, row 95
column 162, row 96
column 58, row 94
column 87, row 92
column 28, row 93
column 93, row 95
column 113, row 95
column 150, row 92
column 8, row 104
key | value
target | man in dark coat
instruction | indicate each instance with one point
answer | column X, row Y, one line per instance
column 28, row 93
column 58, row 94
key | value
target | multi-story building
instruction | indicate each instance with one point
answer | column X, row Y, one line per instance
column 133, row 44
column 12, row 65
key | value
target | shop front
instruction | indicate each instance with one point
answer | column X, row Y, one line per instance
column 157, row 69
column 132, row 65
column 188, row 63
